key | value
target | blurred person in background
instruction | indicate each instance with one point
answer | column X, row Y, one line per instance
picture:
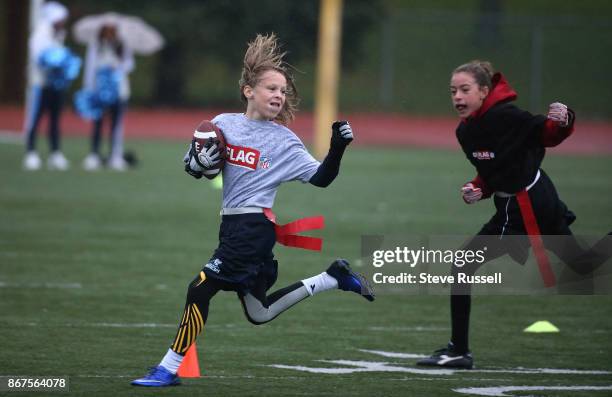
column 52, row 68
column 107, row 66
column 112, row 39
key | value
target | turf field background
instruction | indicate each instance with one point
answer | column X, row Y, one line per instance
column 94, row 268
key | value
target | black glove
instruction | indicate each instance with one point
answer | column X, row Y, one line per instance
column 342, row 134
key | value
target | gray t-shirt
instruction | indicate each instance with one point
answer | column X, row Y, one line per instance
column 260, row 156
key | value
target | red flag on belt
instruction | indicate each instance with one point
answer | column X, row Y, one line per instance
column 531, row 224
column 288, row 234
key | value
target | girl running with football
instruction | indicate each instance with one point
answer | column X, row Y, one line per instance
column 243, row 261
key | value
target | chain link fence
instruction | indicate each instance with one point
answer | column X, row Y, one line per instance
column 565, row 58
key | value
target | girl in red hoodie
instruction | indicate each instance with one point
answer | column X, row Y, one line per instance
column 506, row 145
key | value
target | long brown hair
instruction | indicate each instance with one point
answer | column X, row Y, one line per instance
column 264, row 54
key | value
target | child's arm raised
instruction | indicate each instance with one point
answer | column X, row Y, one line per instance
column 342, row 136
column 559, row 126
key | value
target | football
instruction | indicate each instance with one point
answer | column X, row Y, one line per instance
column 205, row 135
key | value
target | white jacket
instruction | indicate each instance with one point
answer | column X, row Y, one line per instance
column 44, row 37
column 99, row 56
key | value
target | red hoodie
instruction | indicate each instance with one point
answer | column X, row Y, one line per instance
column 501, row 92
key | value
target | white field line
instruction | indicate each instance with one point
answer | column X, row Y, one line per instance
column 472, row 390
column 518, row 370
column 135, row 375
column 122, row 325
column 4, row 284
column 353, row 366
column 370, row 366
column 159, row 325
column 350, row 366
column 436, row 379
column 393, row 354
column 500, row 391
column 549, row 371
column 409, row 329
column 154, row 325
column 204, row 376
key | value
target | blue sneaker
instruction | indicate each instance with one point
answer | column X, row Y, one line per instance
column 158, row 377
column 348, row 280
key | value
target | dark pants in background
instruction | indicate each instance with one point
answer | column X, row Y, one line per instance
column 45, row 99
column 115, row 114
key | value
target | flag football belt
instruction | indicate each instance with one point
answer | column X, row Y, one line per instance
column 506, row 195
column 241, row 210
column 533, row 231
column 287, row 234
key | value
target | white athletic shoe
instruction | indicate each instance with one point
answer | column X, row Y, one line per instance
column 32, row 161
column 117, row 163
column 57, row 161
column 92, row 162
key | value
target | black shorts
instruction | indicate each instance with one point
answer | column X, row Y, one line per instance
column 508, row 228
column 244, row 256
column 551, row 213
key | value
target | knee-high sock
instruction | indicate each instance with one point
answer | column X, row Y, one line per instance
column 319, row 283
column 266, row 308
column 460, row 321
column 461, row 299
column 172, row 361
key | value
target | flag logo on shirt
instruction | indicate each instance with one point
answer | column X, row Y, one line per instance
column 483, row 155
column 264, row 162
column 242, row 156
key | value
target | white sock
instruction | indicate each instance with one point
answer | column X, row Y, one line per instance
column 319, row 283
column 172, row 361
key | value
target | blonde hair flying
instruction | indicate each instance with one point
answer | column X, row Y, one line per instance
column 264, row 54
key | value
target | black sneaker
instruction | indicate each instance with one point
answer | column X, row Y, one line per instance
column 447, row 357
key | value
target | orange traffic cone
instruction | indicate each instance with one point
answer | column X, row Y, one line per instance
column 190, row 368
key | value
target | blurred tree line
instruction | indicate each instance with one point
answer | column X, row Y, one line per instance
column 199, row 33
